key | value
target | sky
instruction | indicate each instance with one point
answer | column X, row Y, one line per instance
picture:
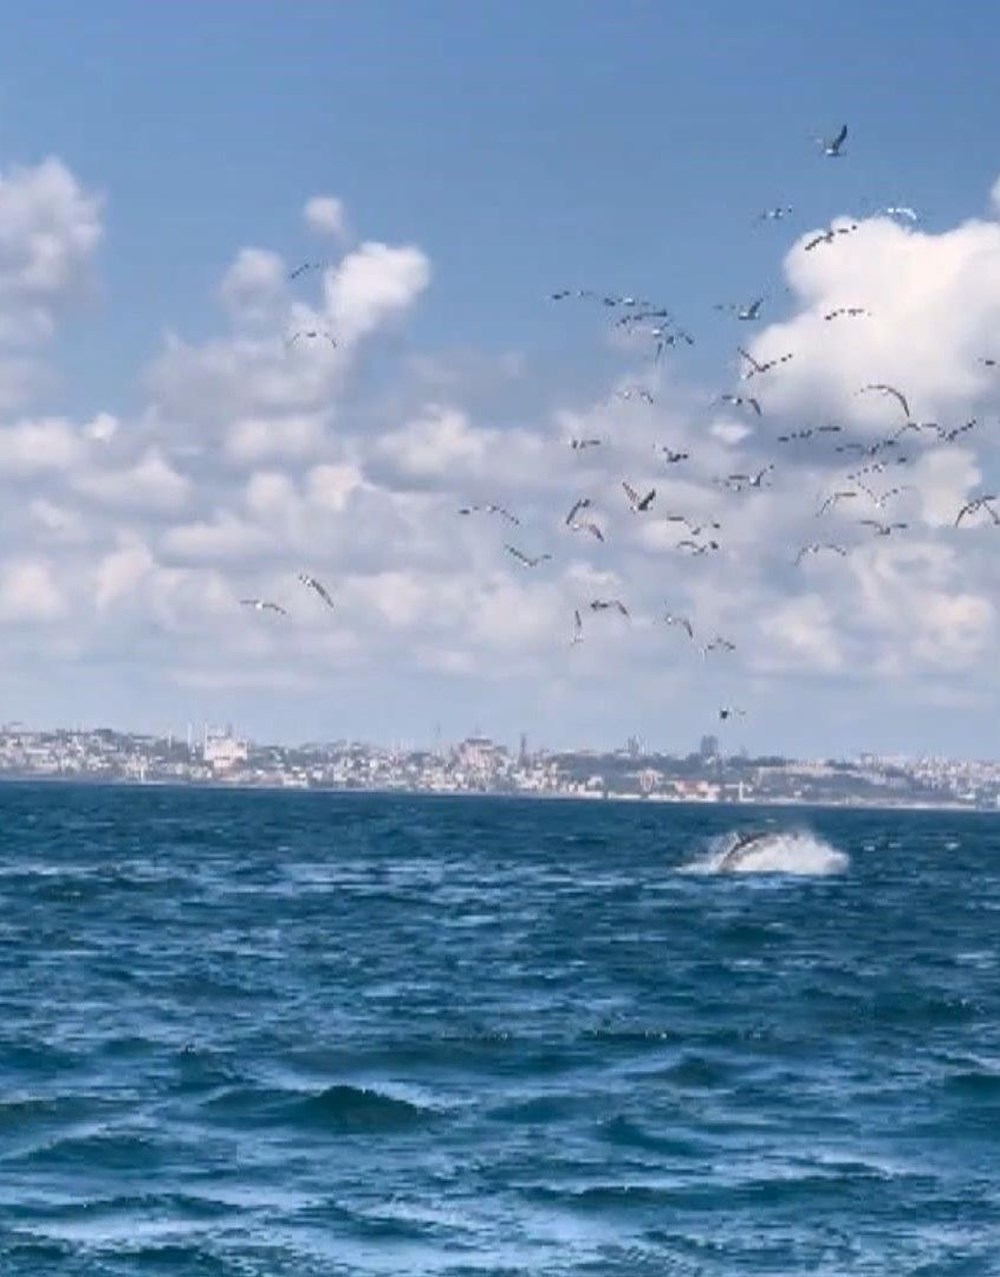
column 167, row 449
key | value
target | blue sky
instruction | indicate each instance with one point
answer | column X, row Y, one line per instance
column 626, row 147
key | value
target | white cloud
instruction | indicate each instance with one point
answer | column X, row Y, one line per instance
column 28, row 447
column 326, row 215
column 120, row 572
column 255, row 460
column 373, row 284
column 255, row 289
column 151, row 485
column 29, row 592
column 49, row 229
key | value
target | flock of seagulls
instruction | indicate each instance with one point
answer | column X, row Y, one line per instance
column 647, row 319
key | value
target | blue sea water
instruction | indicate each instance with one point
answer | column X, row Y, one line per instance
column 266, row 1034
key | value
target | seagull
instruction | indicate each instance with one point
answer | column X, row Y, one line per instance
column 881, row 529
column 581, row 504
column 718, row 644
column 815, row 547
column 774, row 214
column 578, row 445
column 739, row 400
column 828, row 236
column 694, row 528
column 695, row 548
column 311, row 583
column 635, row 392
column 988, row 361
column 949, row 436
column 311, row 334
column 592, row 528
column 577, row 628
column 880, row 499
column 889, row 390
column 671, row 457
column 602, row 605
column 757, row 367
column 828, row 504
column 738, row 481
column 637, row 504
column 977, row 504
column 728, row 711
column 526, row 559
column 301, row 270
column 682, row 621
column 851, row 312
column 492, row 508
column 898, row 210
column 832, row 146
column 264, row 605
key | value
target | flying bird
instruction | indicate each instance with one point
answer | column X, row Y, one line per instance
column 881, row 529
column 728, row 711
column 578, row 445
column 833, row 147
column 526, row 560
column 880, row 498
column 899, row 210
column 739, row 400
column 850, row 312
column 883, row 389
column 577, row 628
column 637, row 504
column 310, row 334
column 829, row 502
column 587, row 526
column 581, row 504
column 682, row 621
column 829, row 235
column 603, row 605
column 635, row 392
column 757, row 367
column 815, row 547
column 774, row 214
column 263, row 605
column 671, row 457
column 980, row 503
column 717, row 644
column 317, row 587
column 492, row 508
column 301, row 270
column 949, row 436
column 747, row 312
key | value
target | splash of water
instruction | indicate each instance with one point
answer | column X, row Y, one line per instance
column 797, row 852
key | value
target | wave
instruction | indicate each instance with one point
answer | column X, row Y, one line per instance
column 796, row 852
column 341, row 1107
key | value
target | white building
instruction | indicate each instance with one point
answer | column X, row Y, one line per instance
column 222, row 751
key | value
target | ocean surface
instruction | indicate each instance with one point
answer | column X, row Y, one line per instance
column 270, row 1034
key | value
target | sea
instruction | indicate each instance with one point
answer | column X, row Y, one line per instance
column 285, row 1034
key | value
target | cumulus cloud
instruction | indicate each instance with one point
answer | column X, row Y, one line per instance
column 326, row 215
column 256, row 458
column 29, row 591
column 49, row 228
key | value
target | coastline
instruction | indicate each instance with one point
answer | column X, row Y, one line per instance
column 619, row 799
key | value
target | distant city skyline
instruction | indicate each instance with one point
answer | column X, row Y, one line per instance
column 281, row 294
column 480, row 766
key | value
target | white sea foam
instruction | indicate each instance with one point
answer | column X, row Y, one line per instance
column 795, row 852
